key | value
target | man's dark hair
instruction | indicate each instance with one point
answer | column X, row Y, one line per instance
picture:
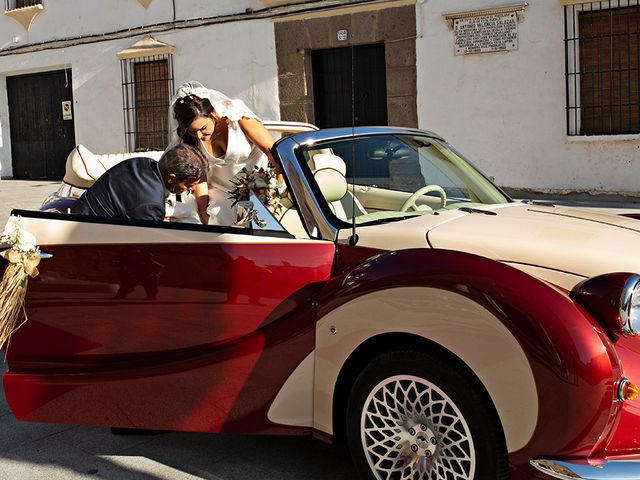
column 184, row 161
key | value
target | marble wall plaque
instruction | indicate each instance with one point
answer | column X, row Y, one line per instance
column 486, row 33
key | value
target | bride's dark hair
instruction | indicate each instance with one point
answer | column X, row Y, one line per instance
column 186, row 110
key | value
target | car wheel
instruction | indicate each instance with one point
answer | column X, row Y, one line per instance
column 413, row 415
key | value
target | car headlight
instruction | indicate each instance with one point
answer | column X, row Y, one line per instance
column 630, row 306
column 613, row 300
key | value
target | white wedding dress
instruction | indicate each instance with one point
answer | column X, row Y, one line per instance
column 240, row 154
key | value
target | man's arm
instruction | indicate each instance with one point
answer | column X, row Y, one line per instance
column 147, row 211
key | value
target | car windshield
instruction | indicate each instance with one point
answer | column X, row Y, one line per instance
column 382, row 178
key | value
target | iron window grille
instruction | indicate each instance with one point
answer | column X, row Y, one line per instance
column 15, row 4
column 602, row 60
column 147, row 83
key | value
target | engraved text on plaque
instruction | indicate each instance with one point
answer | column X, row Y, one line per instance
column 486, row 33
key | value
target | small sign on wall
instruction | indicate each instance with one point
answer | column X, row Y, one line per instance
column 487, row 30
column 486, row 33
column 342, row 35
column 67, row 114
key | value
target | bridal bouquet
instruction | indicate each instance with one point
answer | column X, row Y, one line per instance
column 23, row 257
column 262, row 182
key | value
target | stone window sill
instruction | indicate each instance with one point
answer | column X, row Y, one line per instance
column 603, row 138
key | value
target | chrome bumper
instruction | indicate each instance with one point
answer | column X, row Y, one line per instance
column 622, row 469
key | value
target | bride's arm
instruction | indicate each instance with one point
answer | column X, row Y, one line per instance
column 260, row 136
column 201, row 192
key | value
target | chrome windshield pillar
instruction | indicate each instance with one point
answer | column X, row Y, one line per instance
column 318, row 226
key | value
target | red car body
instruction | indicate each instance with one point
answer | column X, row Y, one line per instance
column 198, row 328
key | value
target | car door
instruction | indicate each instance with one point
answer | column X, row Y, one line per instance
column 170, row 326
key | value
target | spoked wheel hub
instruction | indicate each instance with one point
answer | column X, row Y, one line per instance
column 411, row 429
column 423, row 441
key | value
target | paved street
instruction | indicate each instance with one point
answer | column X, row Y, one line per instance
column 23, row 194
column 55, row 452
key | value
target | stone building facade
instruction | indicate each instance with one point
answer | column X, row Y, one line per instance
column 534, row 115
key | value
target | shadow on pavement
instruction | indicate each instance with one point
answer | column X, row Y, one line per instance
column 52, row 452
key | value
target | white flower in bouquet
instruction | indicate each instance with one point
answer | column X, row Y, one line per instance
column 262, row 182
column 18, row 237
column 26, row 242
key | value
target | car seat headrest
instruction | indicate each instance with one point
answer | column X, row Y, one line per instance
column 332, row 184
column 328, row 160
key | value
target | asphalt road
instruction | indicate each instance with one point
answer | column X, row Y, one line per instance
column 55, row 452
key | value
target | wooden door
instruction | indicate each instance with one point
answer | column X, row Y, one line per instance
column 339, row 102
column 41, row 125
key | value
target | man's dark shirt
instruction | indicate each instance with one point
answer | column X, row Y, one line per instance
column 132, row 189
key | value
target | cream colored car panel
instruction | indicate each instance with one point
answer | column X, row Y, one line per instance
column 556, row 244
column 611, row 211
column 409, row 233
column 564, row 239
column 561, row 279
column 603, row 215
column 457, row 323
column 293, row 404
column 56, row 232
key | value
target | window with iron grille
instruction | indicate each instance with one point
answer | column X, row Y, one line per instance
column 14, row 4
column 147, row 83
column 602, row 57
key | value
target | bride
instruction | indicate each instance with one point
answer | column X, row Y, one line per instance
column 230, row 136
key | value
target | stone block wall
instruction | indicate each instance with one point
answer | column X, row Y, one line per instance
column 395, row 26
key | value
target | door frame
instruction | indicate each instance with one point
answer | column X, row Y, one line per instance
column 392, row 23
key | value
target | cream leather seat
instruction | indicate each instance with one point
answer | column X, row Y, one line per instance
column 291, row 222
column 330, row 172
column 83, row 167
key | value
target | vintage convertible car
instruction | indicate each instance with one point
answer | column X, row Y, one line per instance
column 401, row 301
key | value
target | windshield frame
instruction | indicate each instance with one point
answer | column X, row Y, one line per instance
column 317, row 217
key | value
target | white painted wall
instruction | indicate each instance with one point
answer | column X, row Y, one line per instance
column 506, row 111
column 249, row 73
column 238, row 59
column 73, row 18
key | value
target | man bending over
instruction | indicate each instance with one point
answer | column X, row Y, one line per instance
column 137, row 188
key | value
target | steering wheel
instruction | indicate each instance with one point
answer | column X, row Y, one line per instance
column 411, row 201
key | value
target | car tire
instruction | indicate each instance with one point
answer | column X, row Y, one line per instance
column 413, row 414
